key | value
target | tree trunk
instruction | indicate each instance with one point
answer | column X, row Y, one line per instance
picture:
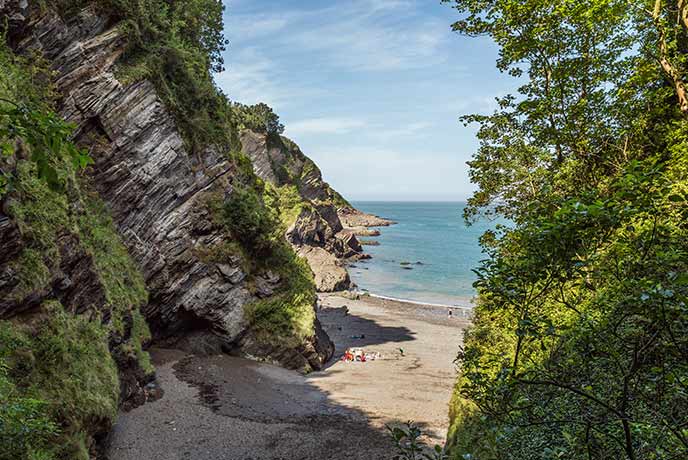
column 669, row 69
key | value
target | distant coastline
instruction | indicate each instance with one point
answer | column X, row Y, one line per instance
column 428, row 257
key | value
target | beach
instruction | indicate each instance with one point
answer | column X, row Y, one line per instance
column 224, row 407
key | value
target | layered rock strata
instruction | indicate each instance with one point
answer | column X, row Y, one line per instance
column 155, row 190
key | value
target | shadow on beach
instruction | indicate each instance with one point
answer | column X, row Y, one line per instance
column 227, row 408
column 349, row 330
column 221, row 407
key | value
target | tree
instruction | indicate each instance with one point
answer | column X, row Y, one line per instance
column 258, row 117
column 578, row 348
column 200, row 23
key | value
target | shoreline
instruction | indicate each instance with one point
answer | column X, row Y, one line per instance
column 424, row 311
column 374, row 223
column 222, row 407
column 415, row 302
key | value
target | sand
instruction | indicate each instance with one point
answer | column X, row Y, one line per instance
column 223, row 407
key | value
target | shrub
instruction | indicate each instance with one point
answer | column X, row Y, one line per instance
column 259, row 118
column 26, row 429
column 250, row 222
column 62, row 375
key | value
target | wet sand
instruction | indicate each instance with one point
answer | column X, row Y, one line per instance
column 222, row 407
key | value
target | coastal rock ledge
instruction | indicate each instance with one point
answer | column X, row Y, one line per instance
column 324, row 230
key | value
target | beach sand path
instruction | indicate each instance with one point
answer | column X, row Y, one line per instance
column 223, row 407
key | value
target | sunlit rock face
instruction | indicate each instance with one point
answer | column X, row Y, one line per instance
column 318, row 232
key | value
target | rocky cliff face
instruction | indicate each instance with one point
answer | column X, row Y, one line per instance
column 324, row 230
column 156, row 192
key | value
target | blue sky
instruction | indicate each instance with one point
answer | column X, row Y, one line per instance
column 370, row 89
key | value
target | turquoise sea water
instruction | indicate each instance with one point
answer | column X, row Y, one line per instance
column 433, row 234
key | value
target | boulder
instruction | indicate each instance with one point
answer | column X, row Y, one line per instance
column 329, row 274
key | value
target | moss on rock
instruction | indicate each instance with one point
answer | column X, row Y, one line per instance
column 57, row 367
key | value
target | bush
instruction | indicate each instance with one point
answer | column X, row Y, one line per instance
column 286, row 318
column 26, row 429
column 64, row 362
column 250, row 222
column 259, row 118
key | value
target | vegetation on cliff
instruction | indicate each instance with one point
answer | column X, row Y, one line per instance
column 579, row 348
column 177, row 45
column 58, row 378
column 255, row 216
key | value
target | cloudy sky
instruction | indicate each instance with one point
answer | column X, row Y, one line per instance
column 370, row 89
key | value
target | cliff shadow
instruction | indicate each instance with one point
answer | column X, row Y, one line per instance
column 227, row 408
column 349, row 330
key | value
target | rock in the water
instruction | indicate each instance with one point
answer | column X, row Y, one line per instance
column 353, row 218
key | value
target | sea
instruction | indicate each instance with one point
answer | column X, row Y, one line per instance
column 427, row 257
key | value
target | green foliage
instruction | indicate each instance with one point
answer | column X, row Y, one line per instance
column 28, row 128
column 62, row 372
column 286, row 318
column 32, row 271
column 410, row 447
column 26, row 430
column 45, row 134
column 288, row 201
column 40, row 212
column 177, row 45
column 125, row 289
column 250, row 222
column 259, row 118
column 58, row 382
column 252, row 216
column 578, row 348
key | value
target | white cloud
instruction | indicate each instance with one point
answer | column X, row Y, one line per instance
column 409, row 130
column 247, row 78
column 363, row 39
column 324, row 126
column 357, row 35
column 241, row 28
column 251, row 77
column 378, row 173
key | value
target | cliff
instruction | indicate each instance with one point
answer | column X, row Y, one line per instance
column 321, row 225
column 158, row 194
column 150, row 231
column 160, row 240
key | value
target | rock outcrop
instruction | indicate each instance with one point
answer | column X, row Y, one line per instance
column 155, row 190
column 355, row 220
column 322, row 232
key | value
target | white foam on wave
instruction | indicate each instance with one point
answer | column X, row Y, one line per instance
column 416, row 302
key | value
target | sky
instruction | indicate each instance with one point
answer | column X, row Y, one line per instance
column 371, row 90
